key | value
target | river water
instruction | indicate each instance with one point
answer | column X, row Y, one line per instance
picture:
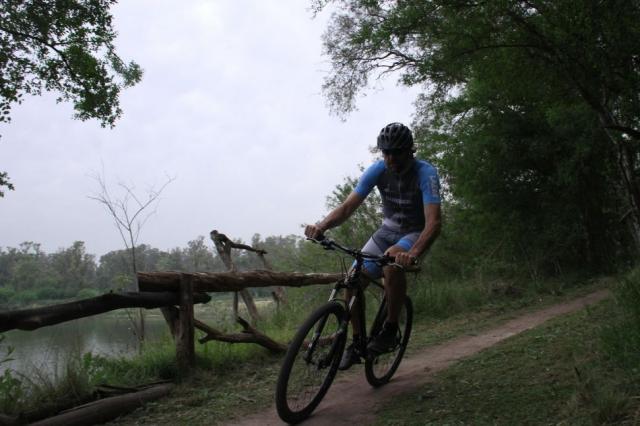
column 45, row 351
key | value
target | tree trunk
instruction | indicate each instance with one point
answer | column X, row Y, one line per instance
column 250, row 304
column 106, row 409
column 185, row 349
column 278, row 293
column 625, row 164
column 248, row 335
column 234, row 305
column 228, row 281
column 31, row 319
column 223, row 246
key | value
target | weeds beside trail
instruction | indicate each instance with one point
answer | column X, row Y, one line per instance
column 247, row 385
column 578, row 369
column 232, row 380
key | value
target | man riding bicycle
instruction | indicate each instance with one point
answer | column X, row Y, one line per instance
column 410, row 193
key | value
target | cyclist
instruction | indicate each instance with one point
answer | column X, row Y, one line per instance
column 410, row 192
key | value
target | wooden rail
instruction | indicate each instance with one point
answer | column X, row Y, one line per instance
column 34, row 318
column 175, row 293
column 230, row 281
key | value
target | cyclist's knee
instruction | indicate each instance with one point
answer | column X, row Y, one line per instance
column 393, row 274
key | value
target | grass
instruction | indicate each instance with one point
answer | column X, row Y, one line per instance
column 558, row 373
column 245, row 381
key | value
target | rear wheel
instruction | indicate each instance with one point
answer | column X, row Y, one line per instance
column 311, row 363
column 379, row 369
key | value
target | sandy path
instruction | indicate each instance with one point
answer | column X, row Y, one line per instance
column 360, row 406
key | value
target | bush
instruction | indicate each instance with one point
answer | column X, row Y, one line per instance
column 6, row 293
column 87, row 293
column 622, row 337
column 50, row 293
column 24, row 297
column 11, row 391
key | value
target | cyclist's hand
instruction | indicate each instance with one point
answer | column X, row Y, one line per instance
column 314, row 232
column 403, row 258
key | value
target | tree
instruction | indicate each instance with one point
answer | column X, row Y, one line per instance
column 75, row 268
column 364, row 221
column 587, row 49
column 198, row 256
column 129, row 212
column 65, row 47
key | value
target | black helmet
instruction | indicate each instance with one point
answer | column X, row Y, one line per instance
column 395, row 136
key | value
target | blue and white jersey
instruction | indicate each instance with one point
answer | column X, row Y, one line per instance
column 404, row 195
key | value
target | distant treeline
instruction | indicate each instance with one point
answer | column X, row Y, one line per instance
column 28, row 274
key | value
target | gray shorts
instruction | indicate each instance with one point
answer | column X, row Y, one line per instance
column 380, row 241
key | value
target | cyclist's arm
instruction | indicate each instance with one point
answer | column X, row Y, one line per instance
column 433, row 224
column 425, row 240
column 336, row 217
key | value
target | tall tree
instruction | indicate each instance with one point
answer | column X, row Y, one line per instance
column 129, row 212
column 65, row 47
column 587, row 49
column 75, row 268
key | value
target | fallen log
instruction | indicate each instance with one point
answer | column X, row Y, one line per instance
column 31, row 319
column 231, row 281
column 106, row 409
column 248, row 335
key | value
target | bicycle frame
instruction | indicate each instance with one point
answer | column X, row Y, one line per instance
column 353, row 283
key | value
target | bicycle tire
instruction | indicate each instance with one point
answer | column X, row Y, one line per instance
column 302, row 383
column 380, row 368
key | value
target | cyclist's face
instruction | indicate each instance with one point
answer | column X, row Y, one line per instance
column 397, row 160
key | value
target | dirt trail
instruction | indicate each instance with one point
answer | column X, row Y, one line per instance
column 360, row 406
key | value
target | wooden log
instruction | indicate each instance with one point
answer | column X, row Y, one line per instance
column 250, row 304
column 171, row 315
column 31, row 319
column 278, row 293
column 106, row 409
column 185, row 346
column 248, row 335
column 231, row 281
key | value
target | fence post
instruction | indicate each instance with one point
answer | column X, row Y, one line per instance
column 185, row 346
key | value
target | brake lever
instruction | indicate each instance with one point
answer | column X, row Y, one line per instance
column 324, row 242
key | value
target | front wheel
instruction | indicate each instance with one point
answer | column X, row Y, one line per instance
column 379, row 369
column 311, row 363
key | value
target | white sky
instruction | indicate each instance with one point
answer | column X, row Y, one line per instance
column 230, row 105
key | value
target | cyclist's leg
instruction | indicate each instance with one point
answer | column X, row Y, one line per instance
column 395, row 281
column 353, row 352
column 376, row 245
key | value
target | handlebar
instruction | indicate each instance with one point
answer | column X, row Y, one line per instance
column 329, row 244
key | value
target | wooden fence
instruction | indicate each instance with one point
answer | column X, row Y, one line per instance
column 175, row 294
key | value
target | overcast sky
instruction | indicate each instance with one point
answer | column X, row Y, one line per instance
column 230, row 105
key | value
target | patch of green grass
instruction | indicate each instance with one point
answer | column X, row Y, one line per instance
column 555, row 374
column 621, row 336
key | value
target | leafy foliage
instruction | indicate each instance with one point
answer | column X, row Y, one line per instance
column 530, row 111
column 621, row 337
column 65, row 47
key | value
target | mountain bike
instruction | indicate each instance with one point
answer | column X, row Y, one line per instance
column 313, row 356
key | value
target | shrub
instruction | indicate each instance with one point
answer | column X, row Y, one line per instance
column 24, row 297
column 50, row 293
column 6, row 293
column 622, row 336
column 87, row 293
